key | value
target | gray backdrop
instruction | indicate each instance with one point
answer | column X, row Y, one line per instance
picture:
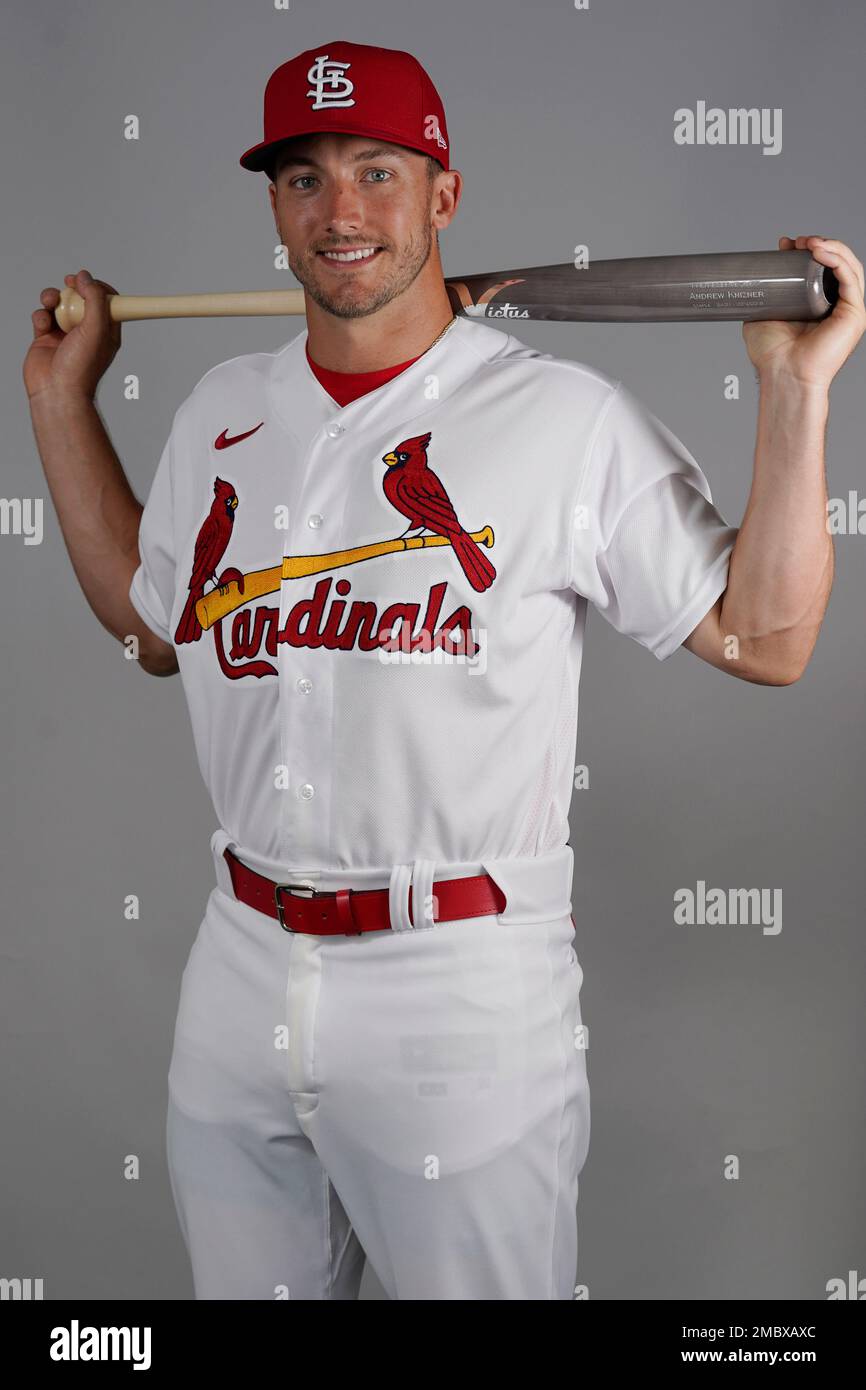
column 704, row 1041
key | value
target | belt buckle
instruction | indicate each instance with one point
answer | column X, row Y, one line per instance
column 305, row 888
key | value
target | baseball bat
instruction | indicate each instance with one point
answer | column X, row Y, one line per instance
column 712, row 286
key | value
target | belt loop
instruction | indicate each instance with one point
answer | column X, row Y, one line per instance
column 344, row 912
column 398, row 897
column 220, row 841
column 423, row 902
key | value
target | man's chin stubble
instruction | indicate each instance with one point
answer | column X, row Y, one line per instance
column 348, row 309
column 360, row 308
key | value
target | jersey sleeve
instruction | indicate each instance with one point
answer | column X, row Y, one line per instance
column 152, row 589
column 648, row 548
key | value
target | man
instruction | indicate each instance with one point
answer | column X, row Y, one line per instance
column 370, row 556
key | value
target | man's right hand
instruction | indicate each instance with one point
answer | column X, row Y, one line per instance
column 72, row 364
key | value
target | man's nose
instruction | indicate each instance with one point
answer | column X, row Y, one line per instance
column 343, row 210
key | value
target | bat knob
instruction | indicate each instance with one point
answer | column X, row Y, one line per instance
column 70, row 310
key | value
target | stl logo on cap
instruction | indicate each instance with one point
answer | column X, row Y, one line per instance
column 330, row 83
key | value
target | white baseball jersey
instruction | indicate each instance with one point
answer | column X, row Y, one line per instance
column 544, row 485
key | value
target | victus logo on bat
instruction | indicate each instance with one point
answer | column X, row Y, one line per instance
column 77, row 1343
column 485, row 307
column 505, row 311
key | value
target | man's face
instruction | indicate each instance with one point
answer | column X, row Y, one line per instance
column 345, row 193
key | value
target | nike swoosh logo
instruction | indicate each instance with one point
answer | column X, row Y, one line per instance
column 223, row 442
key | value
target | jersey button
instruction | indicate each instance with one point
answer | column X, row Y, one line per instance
column 315, row 521
column 306, row 791
column 335, row 429
column 305, row 685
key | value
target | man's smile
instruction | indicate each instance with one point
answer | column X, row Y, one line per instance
column 350, row 256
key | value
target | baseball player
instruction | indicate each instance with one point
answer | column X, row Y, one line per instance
column 369, row 555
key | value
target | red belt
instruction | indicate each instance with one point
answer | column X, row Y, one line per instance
column 349, row 911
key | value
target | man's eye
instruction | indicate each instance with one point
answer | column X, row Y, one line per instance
column 307, row 178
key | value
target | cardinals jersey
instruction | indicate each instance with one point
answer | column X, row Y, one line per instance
column 378, row 609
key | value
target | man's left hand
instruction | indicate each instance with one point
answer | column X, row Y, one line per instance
column 812, row 353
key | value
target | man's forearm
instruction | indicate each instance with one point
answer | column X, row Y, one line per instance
column 781, row 568
column 98, row 512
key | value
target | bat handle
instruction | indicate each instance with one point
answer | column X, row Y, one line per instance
column 124, row 308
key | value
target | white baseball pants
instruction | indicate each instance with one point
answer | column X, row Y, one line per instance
column 416, row 1096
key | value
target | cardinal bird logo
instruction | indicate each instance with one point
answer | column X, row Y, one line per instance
column 414, row 489
column 210, row 545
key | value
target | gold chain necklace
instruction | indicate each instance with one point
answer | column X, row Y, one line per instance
column 448, row 325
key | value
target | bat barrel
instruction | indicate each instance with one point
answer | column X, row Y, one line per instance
column 737, row 285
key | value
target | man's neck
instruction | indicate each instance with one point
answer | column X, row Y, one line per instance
column 395, row 333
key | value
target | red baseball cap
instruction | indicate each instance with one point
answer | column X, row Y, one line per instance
column 356, row 89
